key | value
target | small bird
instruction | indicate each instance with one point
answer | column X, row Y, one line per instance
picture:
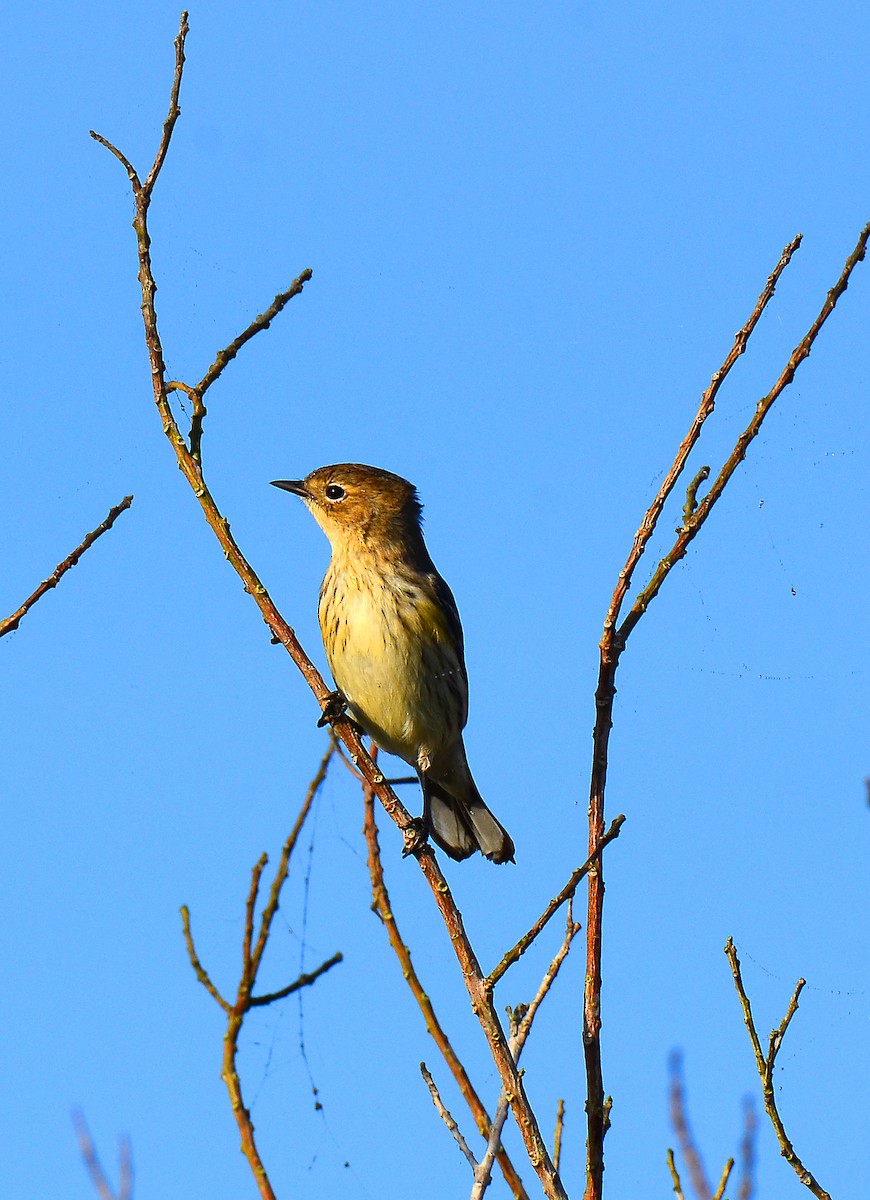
column 394, row 643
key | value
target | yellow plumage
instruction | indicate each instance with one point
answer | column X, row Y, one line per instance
column 394, row 644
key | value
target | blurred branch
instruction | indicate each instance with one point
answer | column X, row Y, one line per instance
column 190, row 466
column 765, row 1064
column 747, row 1151
column 382, row 906
column 680, row 1125
column 252, row 956
column 8, row 624
column 615, row 635
column 94, row 1167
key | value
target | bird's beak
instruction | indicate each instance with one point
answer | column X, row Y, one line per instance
column 296, row 486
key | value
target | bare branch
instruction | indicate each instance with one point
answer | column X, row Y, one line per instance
column 553, row 907
column 8, row 624
column 199, row 970
column 691, row 528
column 382, row 906
column 521, row 1022
column 613, row 643
column 765, row 1064
column 263, row 321
column 705, row 408
column 446, row 1116
column 174, row 110
column 94, row 1167
column 304, row 980
column 284, row 862
column 557, row 1136
column 675, row 1176
column 723, row 1182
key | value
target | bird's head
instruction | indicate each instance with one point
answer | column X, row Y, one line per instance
column 360, row 506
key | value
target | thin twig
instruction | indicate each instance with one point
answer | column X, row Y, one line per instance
column 199, row 970
column 680, row 1125
column 690, row 529
column 8, row 624
column 723, row 1181
column 765, row 1064
column 271, row 906
column 522, row 1018
column 304, row 980
column 94, row 1167
column 553, row 907
column 447, row 1117
column 174, row 110
column 675, row 1176
column 382, row 906
column 263, row 321
column 557, row 1136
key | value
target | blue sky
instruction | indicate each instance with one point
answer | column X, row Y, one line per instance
column 534, row 231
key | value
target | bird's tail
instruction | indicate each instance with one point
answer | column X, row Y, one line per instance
column 459, row 820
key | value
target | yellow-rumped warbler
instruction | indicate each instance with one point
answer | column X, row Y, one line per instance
column 394, row 644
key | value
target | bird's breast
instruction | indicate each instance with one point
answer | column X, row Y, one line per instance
column 391, row 653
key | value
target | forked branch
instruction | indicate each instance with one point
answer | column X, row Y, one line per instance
column 252, row 956
column 616, row 632
column 190, row 465
column 765, row 1063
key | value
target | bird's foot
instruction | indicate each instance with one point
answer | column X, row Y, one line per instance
column 335, row 709
column 416, row 835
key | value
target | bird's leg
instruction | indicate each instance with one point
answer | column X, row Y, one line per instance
column 416, row 832
column 335, row 709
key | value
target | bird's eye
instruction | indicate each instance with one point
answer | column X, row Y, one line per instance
column 335, row 492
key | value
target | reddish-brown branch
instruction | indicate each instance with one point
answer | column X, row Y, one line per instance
column 382, row 906
column 613, row 643
column 8, row 624
column 480, row 1000
column 765, row 1064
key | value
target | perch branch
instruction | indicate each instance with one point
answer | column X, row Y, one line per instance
column 192, row 471
column 8, row 624
column 765, row 1064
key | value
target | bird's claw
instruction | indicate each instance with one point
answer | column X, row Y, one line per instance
column 416, row 835
column 334, row 709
